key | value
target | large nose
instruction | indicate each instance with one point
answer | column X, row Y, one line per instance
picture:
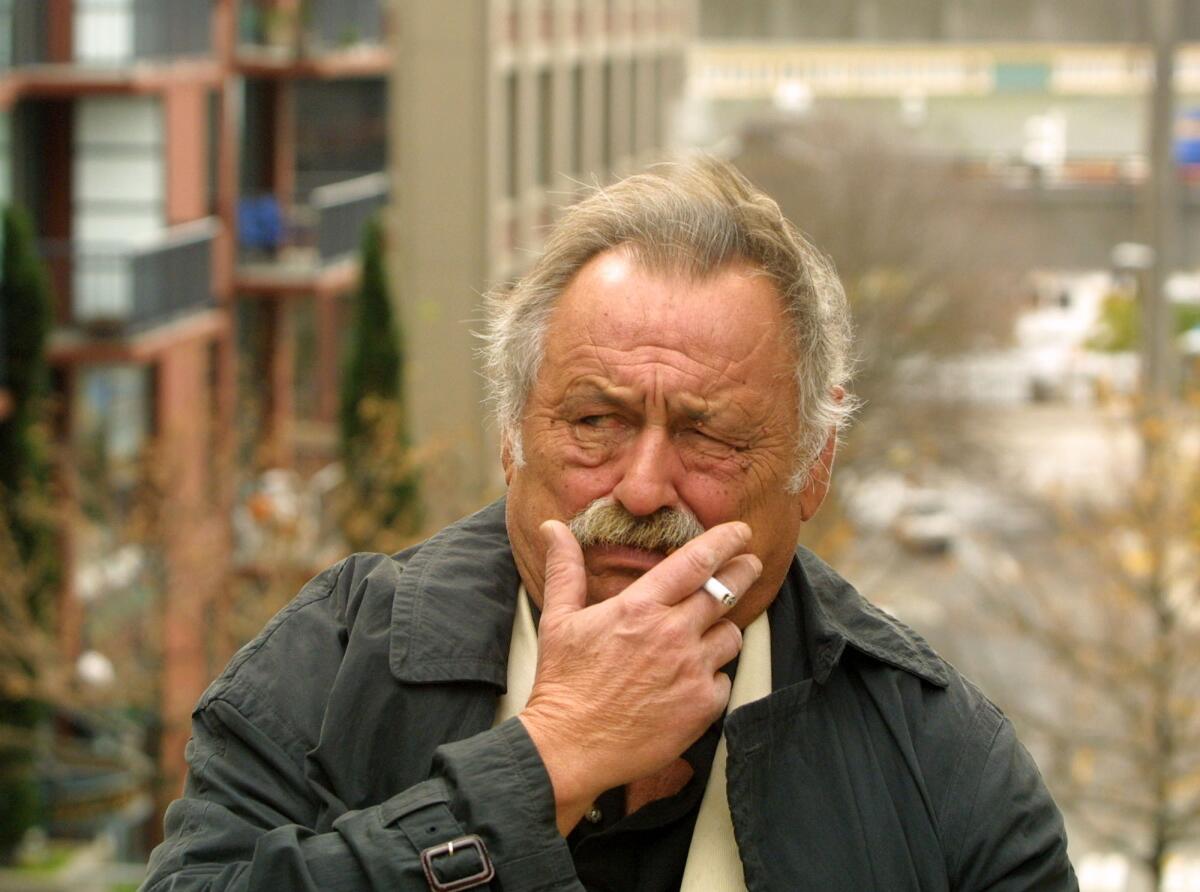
column 649, row 472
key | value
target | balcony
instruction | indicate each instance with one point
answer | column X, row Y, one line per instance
column 300, row 243
column 121, row 289
column 103, row 34
column 284, row 32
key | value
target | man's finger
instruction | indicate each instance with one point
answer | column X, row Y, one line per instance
column 722, row 688
column 685, row 570
column 565, row 585
column 722, row 642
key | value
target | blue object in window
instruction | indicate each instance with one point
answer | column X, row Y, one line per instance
column 260, row 223
column 1187, row 137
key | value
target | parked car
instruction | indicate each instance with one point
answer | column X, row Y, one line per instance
column 924, row 524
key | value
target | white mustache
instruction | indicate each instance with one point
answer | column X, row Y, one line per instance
column 605, row 522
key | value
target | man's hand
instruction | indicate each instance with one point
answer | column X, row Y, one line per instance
column 623, row 687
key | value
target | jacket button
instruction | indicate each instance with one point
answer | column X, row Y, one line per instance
column 594, row 815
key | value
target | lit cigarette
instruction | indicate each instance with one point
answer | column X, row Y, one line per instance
column 718, row 590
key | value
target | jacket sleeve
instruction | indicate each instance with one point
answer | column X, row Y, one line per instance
column 1010, row 835
column 243, row 821
column 255, row 815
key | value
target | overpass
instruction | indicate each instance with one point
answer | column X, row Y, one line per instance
column 761, row 70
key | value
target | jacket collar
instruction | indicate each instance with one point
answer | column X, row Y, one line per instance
column 452, row 613
column 836, row 615
column 453, row 608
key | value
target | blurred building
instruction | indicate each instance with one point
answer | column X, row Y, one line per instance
column 1047, row 98
column 926, row 20
column 312, row 140
column 502, row 114
column 107, row 121
column 198, row 172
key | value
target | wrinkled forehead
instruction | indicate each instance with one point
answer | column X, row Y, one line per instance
column 671, row 291
column 726, row 328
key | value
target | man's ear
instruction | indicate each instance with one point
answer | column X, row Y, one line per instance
column 819, row 474
column 506, row 458
column 814, row 492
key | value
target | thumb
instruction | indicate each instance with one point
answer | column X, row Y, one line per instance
column 565, row 585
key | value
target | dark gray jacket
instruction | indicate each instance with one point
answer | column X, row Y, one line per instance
column 356, row 732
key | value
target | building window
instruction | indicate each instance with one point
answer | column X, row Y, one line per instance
column 577, row 116
column 545, row 139
column 632, row 139
column 103, row 33
column 511, row 133
column 112, row 422
column 658, row 106
column 340, row 131
column 606, row 117
column 305, row 369
column 119, row 193
column 113, row 417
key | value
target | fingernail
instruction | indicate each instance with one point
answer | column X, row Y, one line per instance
column 546, row 531
column 756, row 564
column 744, row 531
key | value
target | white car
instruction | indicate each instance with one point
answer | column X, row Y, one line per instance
column 924, row 524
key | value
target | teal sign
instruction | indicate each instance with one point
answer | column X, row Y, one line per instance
column 1021, row 77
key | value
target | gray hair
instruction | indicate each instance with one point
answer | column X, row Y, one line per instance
column 691, row 218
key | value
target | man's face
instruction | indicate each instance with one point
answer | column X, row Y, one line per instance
column 660, row 392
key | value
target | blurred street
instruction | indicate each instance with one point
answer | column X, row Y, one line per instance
column 992, row 540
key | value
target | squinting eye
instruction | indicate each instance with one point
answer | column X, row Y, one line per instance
column 604, row 423
column 698, row 434
column 705, row 443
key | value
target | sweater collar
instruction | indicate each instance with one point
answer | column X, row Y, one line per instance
column 452, row 613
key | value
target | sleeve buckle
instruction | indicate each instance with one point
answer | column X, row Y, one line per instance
column 446, row 851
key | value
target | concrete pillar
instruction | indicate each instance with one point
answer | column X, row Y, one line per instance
column 438, row 246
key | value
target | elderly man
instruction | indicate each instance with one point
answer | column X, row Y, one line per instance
column 669, row 381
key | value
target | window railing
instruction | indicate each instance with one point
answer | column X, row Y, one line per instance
column 104, row 33
column 343, row 209
column 109, row 289
column 324, row 229
column 311, row 27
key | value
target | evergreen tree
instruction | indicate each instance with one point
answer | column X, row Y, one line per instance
column 24, row 498
column 25, row 295
column 382, row 504
column 375, row 364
